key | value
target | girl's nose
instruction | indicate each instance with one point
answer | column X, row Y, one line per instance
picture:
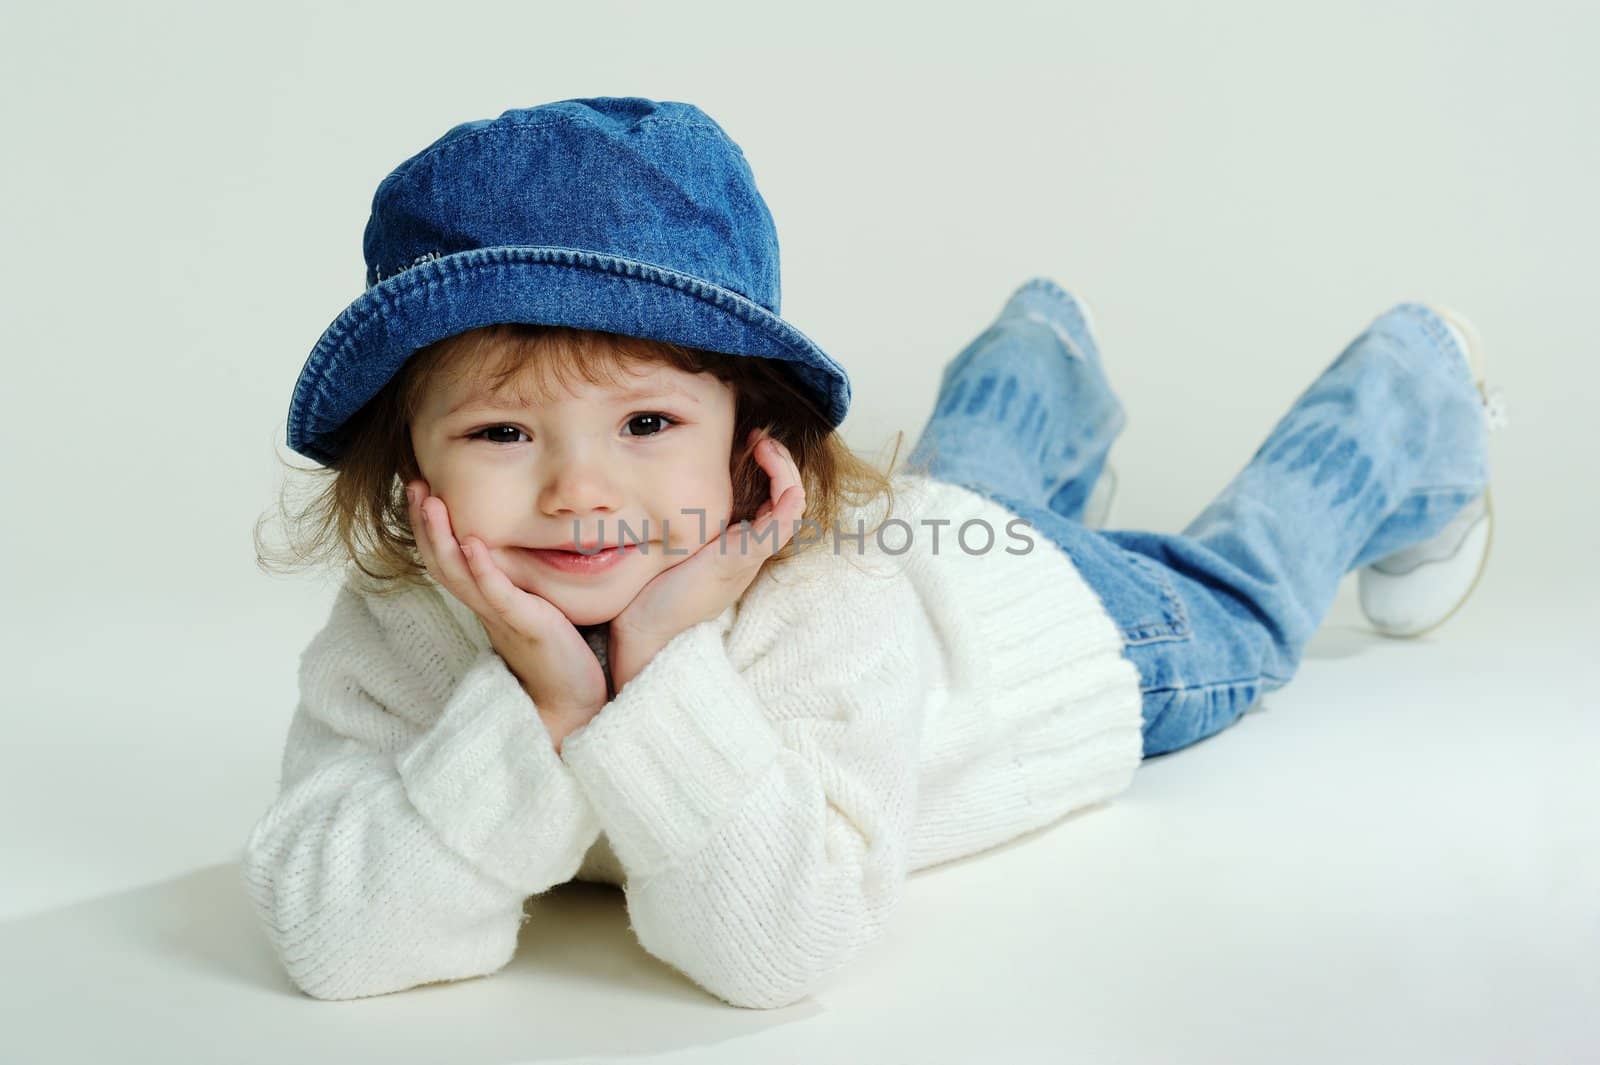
column 579, row 485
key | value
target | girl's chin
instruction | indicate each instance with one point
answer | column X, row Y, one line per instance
column 581, row 618
column 586, row 607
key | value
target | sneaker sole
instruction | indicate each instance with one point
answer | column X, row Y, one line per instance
column 1461, row 601
column 1472, row 346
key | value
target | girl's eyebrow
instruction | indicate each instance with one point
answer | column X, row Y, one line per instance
column 482, row 398
column 658, row 392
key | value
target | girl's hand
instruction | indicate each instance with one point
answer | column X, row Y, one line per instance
column 704, row 584
column 539, row 643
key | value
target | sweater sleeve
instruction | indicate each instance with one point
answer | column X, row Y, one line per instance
column 763, row 812
column 410, row 826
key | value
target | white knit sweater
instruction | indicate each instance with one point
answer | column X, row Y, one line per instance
column 760, row 790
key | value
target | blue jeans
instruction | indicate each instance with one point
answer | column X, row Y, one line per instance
column 1378, row 453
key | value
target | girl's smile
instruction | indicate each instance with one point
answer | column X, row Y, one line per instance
column 579, row 562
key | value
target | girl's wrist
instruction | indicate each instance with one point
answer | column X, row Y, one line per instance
column 558, row 725
column 563, row 719
column 630, row 651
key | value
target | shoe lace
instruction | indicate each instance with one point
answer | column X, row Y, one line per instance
column 1495, row 407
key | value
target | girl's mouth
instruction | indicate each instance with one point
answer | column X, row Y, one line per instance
column 578, row 562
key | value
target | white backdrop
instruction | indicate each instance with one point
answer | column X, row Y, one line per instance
column 1237, row 187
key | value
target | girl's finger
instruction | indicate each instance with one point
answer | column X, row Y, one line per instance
column 785, row 477
column 445, row 548
column 490, row 579
column 419, row 529
column 449, row 565
column 780, row 467
column 784, row 512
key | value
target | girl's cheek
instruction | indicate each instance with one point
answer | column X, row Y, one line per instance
column 681, row 531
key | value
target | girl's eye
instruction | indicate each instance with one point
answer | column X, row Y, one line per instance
column 654, row 423
column 481, row 434
column 656, row 417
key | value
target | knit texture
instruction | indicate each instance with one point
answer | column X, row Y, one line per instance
column 760, row 790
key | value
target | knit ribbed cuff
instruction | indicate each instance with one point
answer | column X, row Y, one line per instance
column 1073, row 715
column 668, row 761
column 487, row 776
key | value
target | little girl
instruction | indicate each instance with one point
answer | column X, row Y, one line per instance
column 618, row 603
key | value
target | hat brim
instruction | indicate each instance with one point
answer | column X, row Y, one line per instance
column 373, row 337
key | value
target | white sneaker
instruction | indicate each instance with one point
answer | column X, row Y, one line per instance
column 1415, row 590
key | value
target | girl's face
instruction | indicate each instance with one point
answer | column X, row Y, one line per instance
column 605, row 464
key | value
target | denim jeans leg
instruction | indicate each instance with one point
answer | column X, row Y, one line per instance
column 1025, row 408
column 1379, row 452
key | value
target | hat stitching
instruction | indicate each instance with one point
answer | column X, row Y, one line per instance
column 427, row 256
column 453, row 268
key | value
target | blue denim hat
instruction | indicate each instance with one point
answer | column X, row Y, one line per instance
column 622, row 214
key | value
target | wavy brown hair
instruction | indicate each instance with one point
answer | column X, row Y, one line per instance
column 356, row 512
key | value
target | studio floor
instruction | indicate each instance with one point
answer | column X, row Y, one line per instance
column 1394, row 858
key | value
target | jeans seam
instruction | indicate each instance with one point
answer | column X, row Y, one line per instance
column 1438, row 334
column 1068, row 304
column 1210, row 685
column 1176, row 626
column 1443, row 489
column 1146, row 634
